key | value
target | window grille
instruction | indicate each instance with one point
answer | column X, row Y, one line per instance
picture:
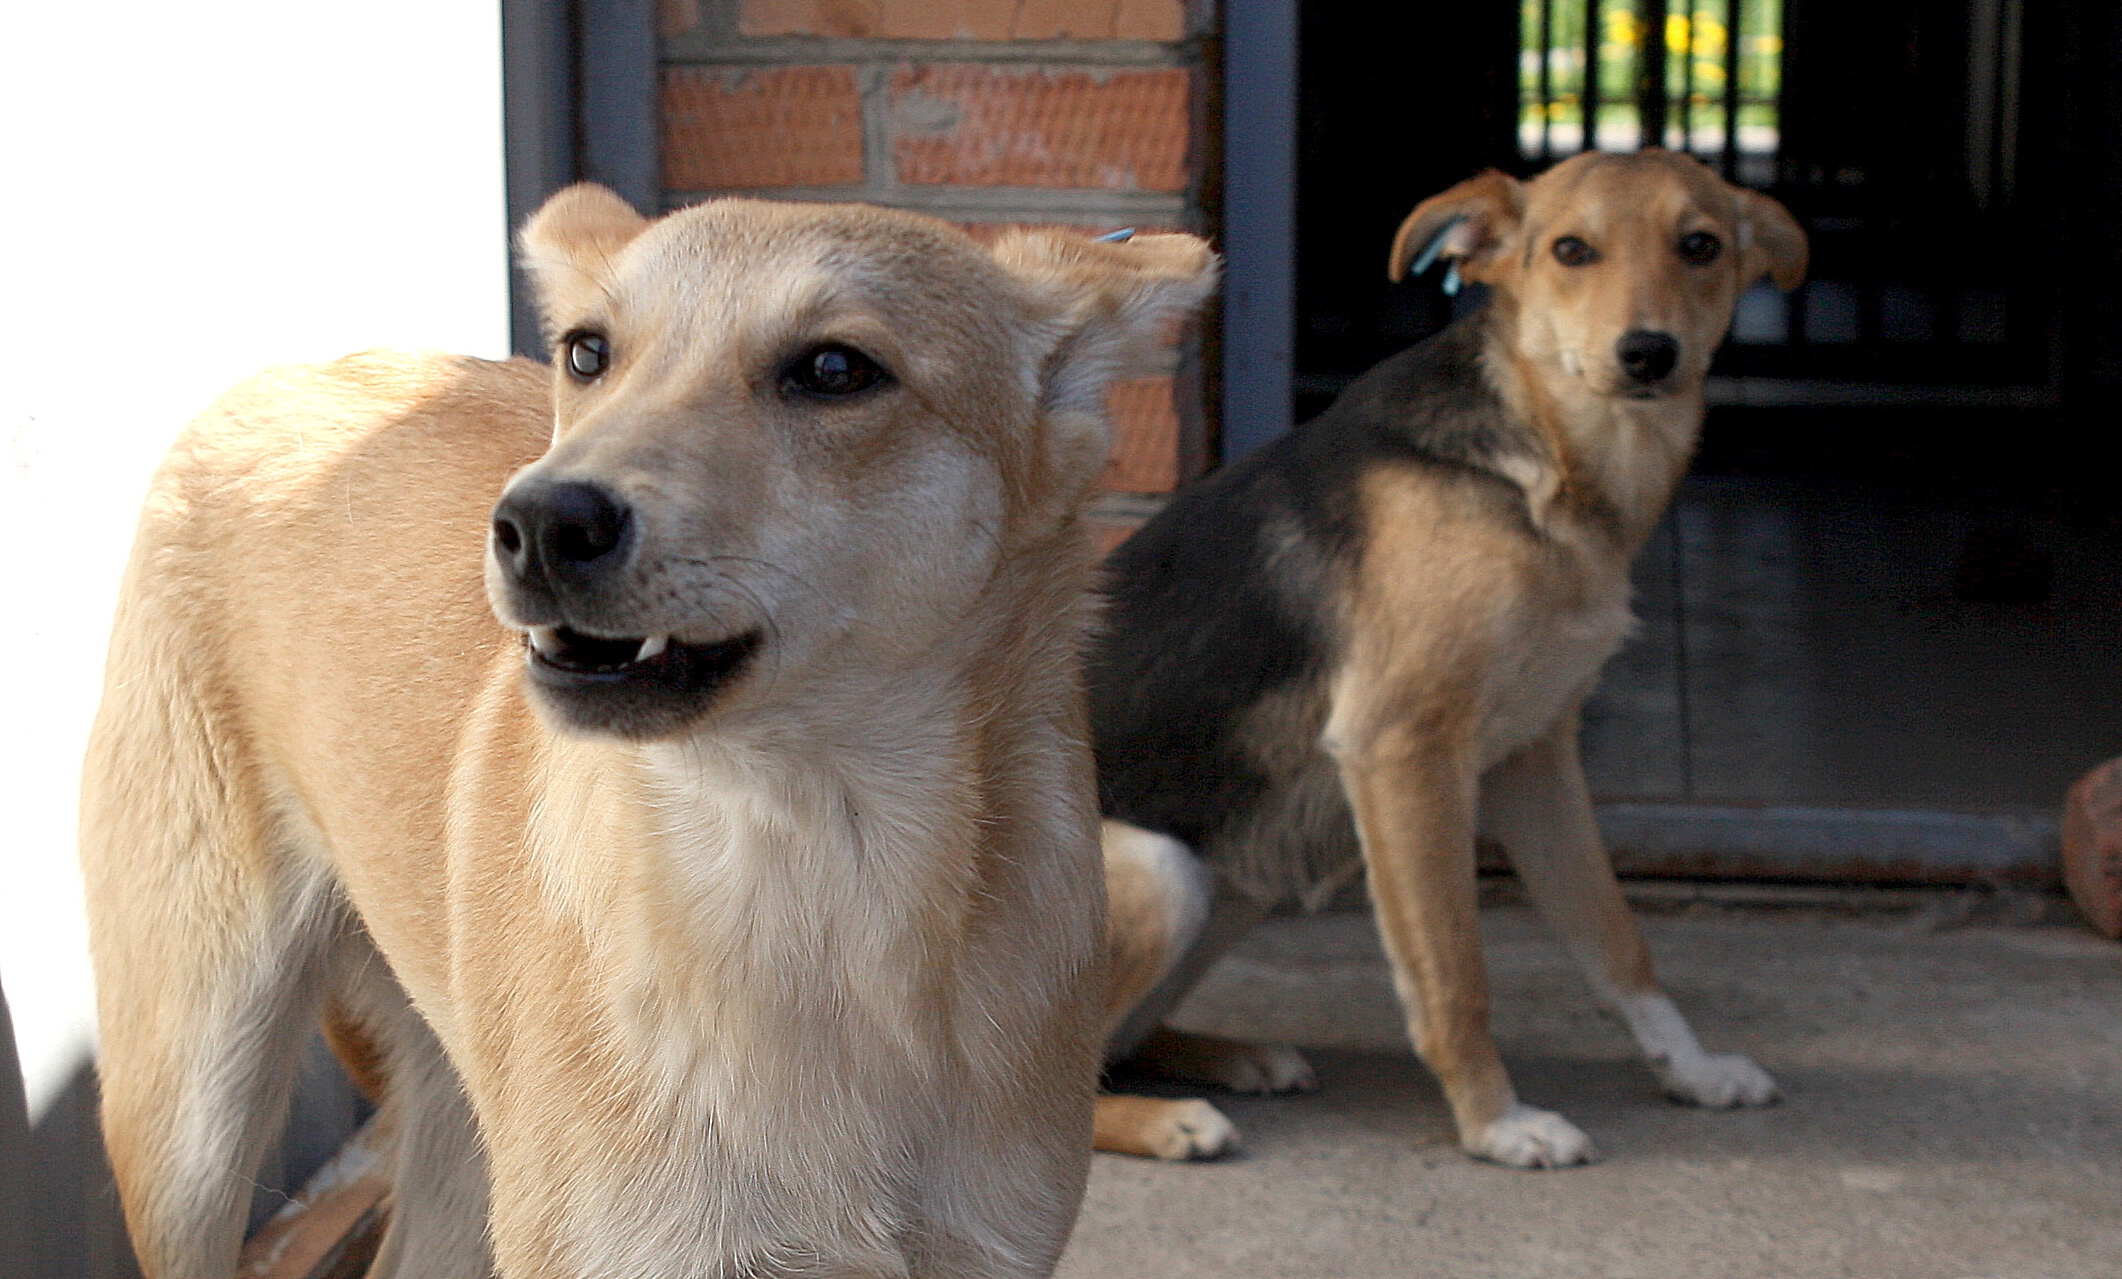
column 1701, row 76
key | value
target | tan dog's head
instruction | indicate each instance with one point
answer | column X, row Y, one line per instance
column 792, row 440
column 1618, row 273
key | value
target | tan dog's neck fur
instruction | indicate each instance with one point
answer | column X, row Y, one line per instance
column 1608, row 462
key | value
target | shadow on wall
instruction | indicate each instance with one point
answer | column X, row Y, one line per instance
column 59, row 1213
column 59, row 1216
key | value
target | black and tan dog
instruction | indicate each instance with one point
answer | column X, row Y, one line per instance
column 1373, row 636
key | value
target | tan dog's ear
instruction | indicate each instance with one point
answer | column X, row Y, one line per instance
column 1113, row 307
column 567, row 248
column 1469, row 222
column 1120, row 304
column 1771, row 242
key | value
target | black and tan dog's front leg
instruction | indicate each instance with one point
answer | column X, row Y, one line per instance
column 1537, row 806
column 1411, row 782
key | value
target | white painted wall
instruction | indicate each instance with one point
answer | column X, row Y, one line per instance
column 194, row 191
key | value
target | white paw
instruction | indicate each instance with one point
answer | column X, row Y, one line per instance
column 1191, row 1130
column 1267, row 1068
column 1716, row 1080
column 1528, row 1138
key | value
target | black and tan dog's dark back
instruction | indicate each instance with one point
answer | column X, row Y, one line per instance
column 1371, row 639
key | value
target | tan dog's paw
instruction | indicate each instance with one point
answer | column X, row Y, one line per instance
column 1716, row 1080
column 1163, row 1128
column 1226, row 1063
column 1528, row 1138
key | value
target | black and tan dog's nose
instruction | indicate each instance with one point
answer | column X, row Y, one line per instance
column 557, row 532
column 1646, row 355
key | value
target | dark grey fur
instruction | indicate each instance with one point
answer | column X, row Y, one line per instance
column 1209, row 682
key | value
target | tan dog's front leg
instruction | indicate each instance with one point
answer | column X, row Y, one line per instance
column 1411, row 787
column 1537, row 805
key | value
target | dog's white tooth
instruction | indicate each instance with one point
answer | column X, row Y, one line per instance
column 546, row 639
column 653, row 646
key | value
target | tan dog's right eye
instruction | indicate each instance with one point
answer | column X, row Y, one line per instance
column 588, row 355
column 1571, row 251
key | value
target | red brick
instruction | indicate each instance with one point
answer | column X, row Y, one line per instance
column 990, row 126
column 795, row 126
column 676, row 17
column 1101, row 19
column 2092, row 846
column 1145, row 456
column 965, row 19
column 1107, row 533
column 1149, row 20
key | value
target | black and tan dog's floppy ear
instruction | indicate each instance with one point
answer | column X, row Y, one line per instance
column 567, row 249
column 1771, row 242
column 1466, row 224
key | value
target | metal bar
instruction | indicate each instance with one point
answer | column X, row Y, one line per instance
column 1590, row 95
column 1687, row 79
column 2010, row 59
column 1683, row 672
column 1259, row 221
column 1650, row 74
column 538, row 113
column 617, row 41
column 1547, row 89
column 1733, row 14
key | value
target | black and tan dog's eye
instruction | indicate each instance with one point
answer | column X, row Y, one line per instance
column 588, row 355
column 1571, row 251
column 1700, row 248
column 832, row 372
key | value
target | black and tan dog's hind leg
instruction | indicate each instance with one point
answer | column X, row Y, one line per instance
column 1167, row 925
column 1536, row 804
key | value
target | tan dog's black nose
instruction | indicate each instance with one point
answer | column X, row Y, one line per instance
column 553, row 535
column 1647, row 356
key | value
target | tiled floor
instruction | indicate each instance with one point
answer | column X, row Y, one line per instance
column 1802, row 644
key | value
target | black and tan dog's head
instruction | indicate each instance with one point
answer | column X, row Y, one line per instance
column 799, row 439
column 1618, row 272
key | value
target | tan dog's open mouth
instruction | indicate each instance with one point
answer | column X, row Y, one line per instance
column 632, row 685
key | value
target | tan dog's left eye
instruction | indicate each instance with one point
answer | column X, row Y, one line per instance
column 1700, row 248
column 832, row 372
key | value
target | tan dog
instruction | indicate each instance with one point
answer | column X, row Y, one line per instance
column 731, row 907
column 1372, row 638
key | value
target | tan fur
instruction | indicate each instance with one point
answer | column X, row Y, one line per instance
column 1472, row 639
column 811, row 986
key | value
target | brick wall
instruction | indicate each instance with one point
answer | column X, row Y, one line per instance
column 1080, row 113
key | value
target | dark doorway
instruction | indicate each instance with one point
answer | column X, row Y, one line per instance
column 1891, row 582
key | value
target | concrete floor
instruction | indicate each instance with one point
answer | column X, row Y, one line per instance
column 1953, row 1110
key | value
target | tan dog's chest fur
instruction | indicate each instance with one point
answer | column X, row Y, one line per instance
column 807, row 983
column 1541, row 601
